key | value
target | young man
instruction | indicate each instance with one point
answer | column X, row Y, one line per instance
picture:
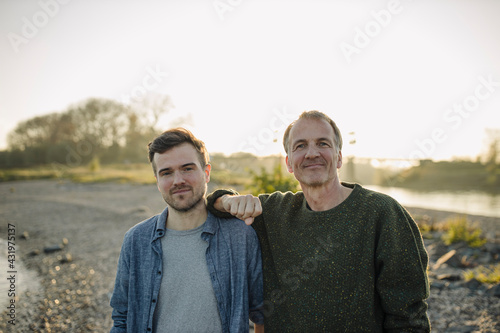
column 336, row 257
column 186, row 270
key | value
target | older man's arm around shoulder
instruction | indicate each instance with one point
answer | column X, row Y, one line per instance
column 244, row 207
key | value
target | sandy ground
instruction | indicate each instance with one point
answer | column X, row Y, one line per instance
column 69, row 290
column 71, row 296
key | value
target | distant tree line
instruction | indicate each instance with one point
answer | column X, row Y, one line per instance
column 483, row 174
column 100, row 129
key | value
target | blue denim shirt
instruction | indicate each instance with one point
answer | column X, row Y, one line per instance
column 234, row 263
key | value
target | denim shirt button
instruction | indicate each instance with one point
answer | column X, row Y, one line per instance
column 154, row 301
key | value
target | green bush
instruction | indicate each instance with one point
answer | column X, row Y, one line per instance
column 95, row 164
column 271, row 182
column 484, row 274
column 459, row 230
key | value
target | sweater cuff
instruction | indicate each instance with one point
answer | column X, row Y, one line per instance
column 212, row 197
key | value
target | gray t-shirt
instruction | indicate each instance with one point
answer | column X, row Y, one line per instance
column 187, row 301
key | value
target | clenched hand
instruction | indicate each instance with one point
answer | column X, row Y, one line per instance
column 244, row 207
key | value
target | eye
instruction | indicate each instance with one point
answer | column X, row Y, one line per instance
column 300, row 146
column 324, row 144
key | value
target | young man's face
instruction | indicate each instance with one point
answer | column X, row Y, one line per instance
column 180, row 177
column 312, row 153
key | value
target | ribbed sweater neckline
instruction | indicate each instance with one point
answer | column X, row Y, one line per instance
column 356, row 189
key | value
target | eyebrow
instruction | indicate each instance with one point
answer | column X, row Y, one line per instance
column 316, row 139
column 182, row 166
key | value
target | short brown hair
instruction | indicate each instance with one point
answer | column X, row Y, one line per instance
column 314, row 115
column 175, row 137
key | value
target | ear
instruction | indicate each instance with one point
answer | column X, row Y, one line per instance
column 288, row 164
column 208, row 169
column 339, row 159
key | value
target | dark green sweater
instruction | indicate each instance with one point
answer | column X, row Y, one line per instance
column 359, row 267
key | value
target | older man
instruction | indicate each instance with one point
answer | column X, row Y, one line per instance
column 336, row 256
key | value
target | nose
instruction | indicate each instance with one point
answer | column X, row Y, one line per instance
column 178, row 179
column 312, row 151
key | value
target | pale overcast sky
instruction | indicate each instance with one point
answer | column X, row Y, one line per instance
column 414, row 78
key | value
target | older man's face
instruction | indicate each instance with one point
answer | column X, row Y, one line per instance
column 312, row 153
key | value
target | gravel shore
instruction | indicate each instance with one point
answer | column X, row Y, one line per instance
column 68, row 239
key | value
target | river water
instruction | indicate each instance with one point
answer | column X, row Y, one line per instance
column 465, row 202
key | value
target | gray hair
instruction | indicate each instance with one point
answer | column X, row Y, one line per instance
column 314, row 115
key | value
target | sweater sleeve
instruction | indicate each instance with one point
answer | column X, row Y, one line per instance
column 402, row 281
column 212, row 197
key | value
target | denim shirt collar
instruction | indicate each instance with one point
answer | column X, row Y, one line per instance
column 209, row 228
